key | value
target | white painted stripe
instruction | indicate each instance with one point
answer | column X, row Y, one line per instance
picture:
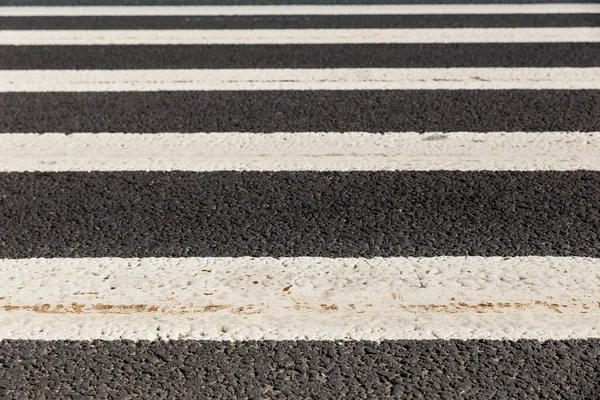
column 305, row 10
column 299, row 79
column 320, row 151
column 298, row 36
column 316, row 151
column 301, row 298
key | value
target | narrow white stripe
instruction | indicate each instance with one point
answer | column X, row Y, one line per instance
column 306, row 10
column 299, row 79
column 299, row 36
column 300, row 298
column 321, row 151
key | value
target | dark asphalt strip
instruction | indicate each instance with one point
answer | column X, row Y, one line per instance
column 329, row 214
column 431, row 55
column 303, row 21
column 477, row 369
column 302, row 111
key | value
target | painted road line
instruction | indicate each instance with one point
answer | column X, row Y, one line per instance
column 299, row 79
column 375, row 9
column 302, row 111
column 293, row 213
column 301, row 298
column 302, row 21
column 298, row 36
column 310, row 151
column 432, row 55
column 471, row 369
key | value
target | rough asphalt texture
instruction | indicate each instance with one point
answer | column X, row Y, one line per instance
column 329, row 214
column 293, row 370
column 303, row 111
column 391, row 55
column 139, row 214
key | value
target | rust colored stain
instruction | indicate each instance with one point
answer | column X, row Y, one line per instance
column 249, row 309
column 216, row 307
column 299, row 305
column 76, row 308
column 449, row 308
column 453, row 308
column 207, row 270
column 133, row 307
column 287, row 288
column 41, row 308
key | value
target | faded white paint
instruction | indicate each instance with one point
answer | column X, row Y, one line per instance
column 298, row 36
column 320, row 151
column 375, row 9
column 300, row 298
column 299, row 79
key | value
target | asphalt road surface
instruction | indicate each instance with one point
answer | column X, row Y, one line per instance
column 310, row 200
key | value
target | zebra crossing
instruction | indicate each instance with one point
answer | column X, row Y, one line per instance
column 299, row 201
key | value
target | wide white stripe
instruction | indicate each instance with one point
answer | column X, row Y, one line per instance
column 301, row 298
column 298, row 36
column 305, row 10
column 299, row 79
column 320, row 151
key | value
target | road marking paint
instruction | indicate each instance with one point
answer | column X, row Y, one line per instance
column 304, row 10
column 299, row 79
column 320, row 151
column 300, row 298
column 298, row 36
